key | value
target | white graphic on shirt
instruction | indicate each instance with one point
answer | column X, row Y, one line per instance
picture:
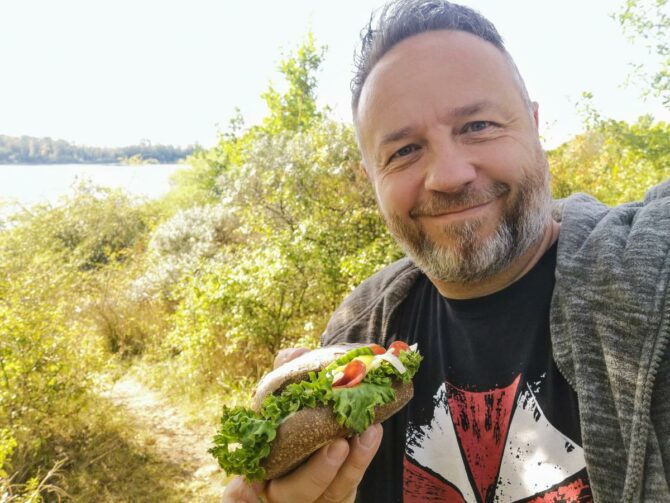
column 433, row 447
column 537, row 455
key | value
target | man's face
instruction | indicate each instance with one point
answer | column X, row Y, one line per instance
column 451, row 148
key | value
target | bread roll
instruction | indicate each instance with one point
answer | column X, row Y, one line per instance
column 305, row 431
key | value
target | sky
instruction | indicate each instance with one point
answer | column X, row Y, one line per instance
column 113, row 73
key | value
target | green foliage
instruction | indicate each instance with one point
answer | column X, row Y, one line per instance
column 178, row 247
column 306, row 214
column 34, row 490
column 91, row 229
column 649, row 20
column 614, row 161
column 296, row 108
column 7, row 446
column 54, row 272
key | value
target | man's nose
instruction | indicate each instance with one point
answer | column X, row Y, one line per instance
column 450, row 169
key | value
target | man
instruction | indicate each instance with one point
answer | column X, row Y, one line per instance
column 546, row 374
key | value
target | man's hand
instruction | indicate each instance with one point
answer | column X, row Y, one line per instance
column 330, row 475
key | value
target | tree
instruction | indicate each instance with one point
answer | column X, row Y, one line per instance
column 293, row 110
column 297, row 107
column 649, row 20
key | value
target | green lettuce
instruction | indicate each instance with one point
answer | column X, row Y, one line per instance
column 355, row 407
column 243, row 442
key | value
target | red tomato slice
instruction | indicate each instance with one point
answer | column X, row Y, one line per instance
column 354, row 373
column 398, row 346
column 377, row 349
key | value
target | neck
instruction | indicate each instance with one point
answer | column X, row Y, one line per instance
column 455, row 290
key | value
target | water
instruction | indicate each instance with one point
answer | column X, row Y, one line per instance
column 25, row 185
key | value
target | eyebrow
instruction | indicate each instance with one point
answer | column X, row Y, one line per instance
column 453, row 113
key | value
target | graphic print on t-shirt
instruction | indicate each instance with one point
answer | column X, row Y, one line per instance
column 492, row 446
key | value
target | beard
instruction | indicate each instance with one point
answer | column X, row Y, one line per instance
column 464, row 256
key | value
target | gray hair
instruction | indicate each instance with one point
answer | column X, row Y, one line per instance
column 401, row 19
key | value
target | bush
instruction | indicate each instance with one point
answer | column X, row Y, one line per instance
column 179, row 245
column 614, row 161
column 55, row 263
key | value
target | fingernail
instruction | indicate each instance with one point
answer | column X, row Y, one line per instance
column 369, row 436
column 337, row 451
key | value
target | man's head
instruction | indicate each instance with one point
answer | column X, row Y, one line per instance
column 449, row 140
column 401, row 19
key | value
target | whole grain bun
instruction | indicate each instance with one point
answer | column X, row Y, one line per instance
column 307, row 430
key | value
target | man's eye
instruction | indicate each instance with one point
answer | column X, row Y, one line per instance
column 405, row 151
column 477, row 126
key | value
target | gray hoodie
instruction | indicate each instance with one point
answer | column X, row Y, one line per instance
column 610, row 326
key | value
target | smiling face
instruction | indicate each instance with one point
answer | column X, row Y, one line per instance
column 450, row 145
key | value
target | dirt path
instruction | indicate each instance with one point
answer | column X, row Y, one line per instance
column 161, row 428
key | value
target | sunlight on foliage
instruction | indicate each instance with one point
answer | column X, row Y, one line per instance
column 614, row 161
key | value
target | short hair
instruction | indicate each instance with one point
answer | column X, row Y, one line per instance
column 401, row 19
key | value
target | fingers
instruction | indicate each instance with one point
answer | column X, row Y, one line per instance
column 239, row 491
column 361, row 451
column 308, row 482
column 286, row 355
column 331, row 475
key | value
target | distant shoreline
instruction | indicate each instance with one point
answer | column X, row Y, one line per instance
column 28, row 150
column 91, row 163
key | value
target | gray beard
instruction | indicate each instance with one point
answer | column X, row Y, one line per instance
column 469, row 258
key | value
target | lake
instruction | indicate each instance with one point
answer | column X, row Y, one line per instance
column 27, row 184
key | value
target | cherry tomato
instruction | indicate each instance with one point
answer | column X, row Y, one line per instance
column 398, row 346
column 354, row 373
column 377, row 349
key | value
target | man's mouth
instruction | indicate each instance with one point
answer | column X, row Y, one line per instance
column 459, row 205
column 459, row 211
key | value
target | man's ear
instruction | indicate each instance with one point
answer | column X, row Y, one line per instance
column 536, row 114
column 364, row 169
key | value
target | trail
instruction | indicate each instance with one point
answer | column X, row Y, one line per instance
column 163, row 429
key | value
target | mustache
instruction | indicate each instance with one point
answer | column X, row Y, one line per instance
column 443, row 202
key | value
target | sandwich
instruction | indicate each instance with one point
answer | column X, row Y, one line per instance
column 329, row 393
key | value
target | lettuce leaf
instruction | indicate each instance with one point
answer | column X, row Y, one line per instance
column 355, row 407
column 243, row 442
column 383, row 374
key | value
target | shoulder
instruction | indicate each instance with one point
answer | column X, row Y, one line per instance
column 363, row 316
column 589, row 227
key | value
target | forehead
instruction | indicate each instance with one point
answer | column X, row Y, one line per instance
column 439, row 69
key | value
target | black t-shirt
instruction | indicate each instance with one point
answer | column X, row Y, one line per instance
column 492, row 418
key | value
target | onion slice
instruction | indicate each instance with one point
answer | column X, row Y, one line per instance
column 393, row 360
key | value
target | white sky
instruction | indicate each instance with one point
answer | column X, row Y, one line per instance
column 115, row 72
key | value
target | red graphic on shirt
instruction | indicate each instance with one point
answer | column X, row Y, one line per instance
column 577, row 491
column 420, row 486
column 481, row 420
